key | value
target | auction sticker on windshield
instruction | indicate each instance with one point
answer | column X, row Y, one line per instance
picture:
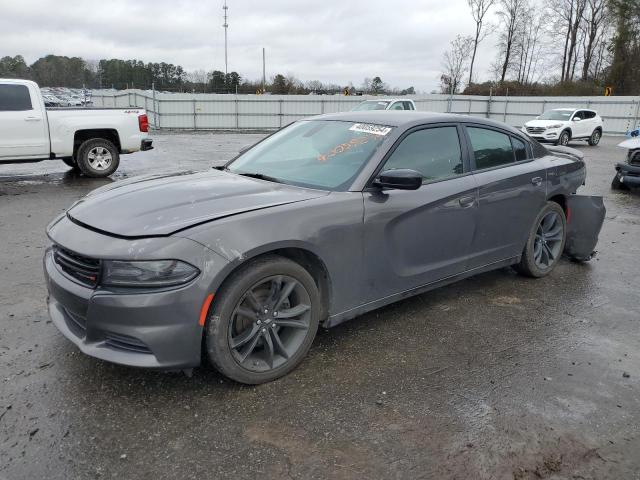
column 370, row 128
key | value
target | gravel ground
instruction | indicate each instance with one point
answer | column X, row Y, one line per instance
column 497, row 376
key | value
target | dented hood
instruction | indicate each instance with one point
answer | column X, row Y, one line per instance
column 165, row 204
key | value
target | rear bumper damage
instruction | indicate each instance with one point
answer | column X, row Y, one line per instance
column 585, row 216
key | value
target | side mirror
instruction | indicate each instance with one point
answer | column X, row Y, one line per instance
column 576, row 119
column 399, row 179
column 538, row 118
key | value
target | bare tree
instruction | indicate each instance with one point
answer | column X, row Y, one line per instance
column 455, row 63
column 197, row 76
column 570, row 16
column 527, row 45
column 510, row 13
column 479, row 9
column 594, row 25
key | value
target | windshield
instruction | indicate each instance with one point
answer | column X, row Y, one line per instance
column 314, row 153
column 564, row 115
column 371, row 105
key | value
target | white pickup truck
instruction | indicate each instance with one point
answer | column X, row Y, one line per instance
column 90, row 140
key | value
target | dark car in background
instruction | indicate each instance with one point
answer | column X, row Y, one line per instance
column 324, row 220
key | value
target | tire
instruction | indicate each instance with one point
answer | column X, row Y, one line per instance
column 247, row 347
column 540, row 244
column 97, row 158
column 616, row 184
column 563, row 139
column 595, row 137
column 71, row 163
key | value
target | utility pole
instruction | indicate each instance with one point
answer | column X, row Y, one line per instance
column 226, row 26
column 264, row 76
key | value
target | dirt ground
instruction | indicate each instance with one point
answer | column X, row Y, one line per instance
column 497, row 376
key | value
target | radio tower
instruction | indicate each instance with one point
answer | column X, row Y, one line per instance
column 225, row 25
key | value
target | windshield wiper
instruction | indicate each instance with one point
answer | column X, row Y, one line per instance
column 260, row 176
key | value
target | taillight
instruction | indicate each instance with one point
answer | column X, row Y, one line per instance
column 143, row 123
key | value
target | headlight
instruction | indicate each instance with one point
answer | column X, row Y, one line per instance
column 555, row 126
column 151, row 273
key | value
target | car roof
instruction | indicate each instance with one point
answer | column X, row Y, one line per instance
column 407, row 118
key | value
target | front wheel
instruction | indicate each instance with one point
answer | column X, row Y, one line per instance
column 563, row 139
column 264, row 322
column 545, row 243
column 97, row 157
column 595, row 137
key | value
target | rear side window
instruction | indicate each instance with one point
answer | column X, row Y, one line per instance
column 14, row 98
column 587, row 114
column 490, row 148
column 520, row 149
column 434, row 152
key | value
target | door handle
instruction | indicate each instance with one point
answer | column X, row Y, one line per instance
column 466, row 201
column 32, row 119
column 537, row 181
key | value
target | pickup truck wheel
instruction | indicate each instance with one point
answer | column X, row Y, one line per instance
column 71, row 163
column 97, row 157
column 545, row 243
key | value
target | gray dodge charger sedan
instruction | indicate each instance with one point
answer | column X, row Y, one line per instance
column 318, row 223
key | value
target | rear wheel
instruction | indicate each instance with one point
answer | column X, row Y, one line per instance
column 265, row 321
column 97, row 157
column 595, row 137
column 545, row 243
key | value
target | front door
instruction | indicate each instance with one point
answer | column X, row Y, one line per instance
column 22, row 124
column 416, row 237
column 511, row 193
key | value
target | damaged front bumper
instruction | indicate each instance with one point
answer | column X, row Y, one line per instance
column 628, row 175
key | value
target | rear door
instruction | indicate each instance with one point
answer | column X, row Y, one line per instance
column 511, row 192
column 23, row 132
column 416, row 237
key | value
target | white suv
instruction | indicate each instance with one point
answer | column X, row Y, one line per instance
column 385, row 104
column 561, row 125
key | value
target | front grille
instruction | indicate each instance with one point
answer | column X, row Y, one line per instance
column 124, row 342
column 83, row 269
column 536, row 130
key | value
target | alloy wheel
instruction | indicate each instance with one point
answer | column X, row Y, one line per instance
column 548, row 241
column 269, row 323
column 100, row 158
column 564, row 139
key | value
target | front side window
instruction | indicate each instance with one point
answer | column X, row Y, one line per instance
column 408, row 106
column 434, row 152
column 14, row 98
column 397, row 106
column 520, row 149
column 324, row 154
column 490, row 148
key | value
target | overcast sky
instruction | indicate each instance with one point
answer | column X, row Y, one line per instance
column 402, row 41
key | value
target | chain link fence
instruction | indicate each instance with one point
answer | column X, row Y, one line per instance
column 186, row 111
